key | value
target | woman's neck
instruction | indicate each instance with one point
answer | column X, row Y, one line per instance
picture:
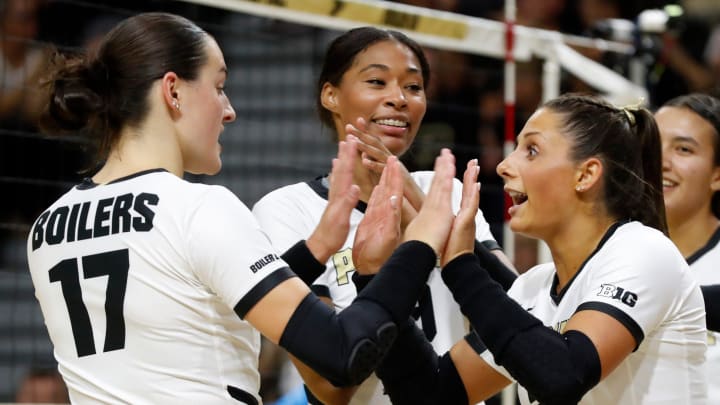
column 142, row 149
column 571, row 246
column 692, row 233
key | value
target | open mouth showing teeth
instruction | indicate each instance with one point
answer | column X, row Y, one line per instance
column 392, row 123
column 668, row 183
column 517, row 198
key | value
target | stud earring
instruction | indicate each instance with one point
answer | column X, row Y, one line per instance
column 579, row 188
column 176, row 104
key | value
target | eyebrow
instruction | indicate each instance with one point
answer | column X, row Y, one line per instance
column 527, row 134
column 682, row 138
column 386, row 68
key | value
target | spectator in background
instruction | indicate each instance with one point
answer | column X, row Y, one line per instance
column 712, row 56
column 680, row 68
column 21, row 63
column 42, row 385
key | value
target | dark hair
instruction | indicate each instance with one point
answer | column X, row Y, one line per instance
column 341, row 53
column 98, row 96
column 708, row 108
column 627, row 141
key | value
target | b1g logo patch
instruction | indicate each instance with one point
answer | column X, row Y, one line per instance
column 628, row 298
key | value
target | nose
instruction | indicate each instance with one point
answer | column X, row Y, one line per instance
column 229, row 113
column 503, row 168
column 396, row 97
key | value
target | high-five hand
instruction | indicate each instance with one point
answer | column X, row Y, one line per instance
column 374, row 157
column 378, row 233
column 462, row 235
column 433, row 222
column 332, row 231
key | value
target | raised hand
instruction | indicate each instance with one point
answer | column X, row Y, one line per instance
column 332, row 230
column 462, row 235
column 374, row 157
column 433, row 222
column 378, row 233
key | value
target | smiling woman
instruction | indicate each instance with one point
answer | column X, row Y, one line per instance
column 372, row 88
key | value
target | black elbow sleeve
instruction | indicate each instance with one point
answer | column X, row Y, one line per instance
column 554, row 369
column 413, row 374
column 346, row 347
column 342, row 348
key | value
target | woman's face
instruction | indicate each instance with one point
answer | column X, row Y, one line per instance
column 540, row 177
column 205, row 109
column 690, row 176
column 384, row 86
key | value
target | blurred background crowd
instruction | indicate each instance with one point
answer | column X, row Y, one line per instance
column 277, row 139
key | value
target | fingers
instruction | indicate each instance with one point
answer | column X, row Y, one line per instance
column 471, row 188
column 395, row 176
column 441, row 185
column 341, row 178
column 390, row 187
column 368, row 143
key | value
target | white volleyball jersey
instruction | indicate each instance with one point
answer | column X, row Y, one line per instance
column 138, row 280
column 705, row 267
column 291, row 213
column 638, row 277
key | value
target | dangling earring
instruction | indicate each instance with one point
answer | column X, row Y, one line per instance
column 176, row 104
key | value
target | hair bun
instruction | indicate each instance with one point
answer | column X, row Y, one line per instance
column 77, row 97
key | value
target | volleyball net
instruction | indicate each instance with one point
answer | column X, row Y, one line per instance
column 274, row 50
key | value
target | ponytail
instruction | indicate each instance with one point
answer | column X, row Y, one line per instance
column 651, row 209
column 627, row 141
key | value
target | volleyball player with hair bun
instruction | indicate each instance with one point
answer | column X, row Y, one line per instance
column 372, row 87
column 153, row 289
column 615, row 318
column 690, row 131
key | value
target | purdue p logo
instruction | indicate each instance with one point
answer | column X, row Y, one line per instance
column 626, row 297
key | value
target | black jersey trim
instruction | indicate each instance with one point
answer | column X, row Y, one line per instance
column 242, row 395
column 559, row 296
column 320, row 189
column 88, row 182
column 618, row 314
column 261, row 289
column 711, row 243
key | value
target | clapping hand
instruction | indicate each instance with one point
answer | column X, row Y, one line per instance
column 334, row 226
column 374, row 158
column 462, row 235
column 433, row 222
column 378, row 233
